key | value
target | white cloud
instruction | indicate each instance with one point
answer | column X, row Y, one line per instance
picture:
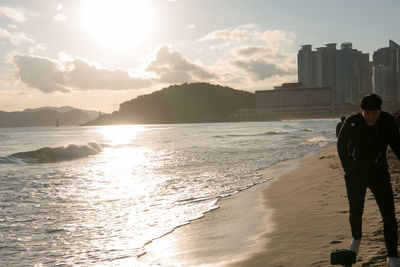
column 15, row 38
column 252, row 34
column 18, row 38
column 49, row 75
column 277, row 38
column 37, row 48
column 60, row 18
column 240, row 33
column 13, row 26
column 172, row 67
column 14, row 14
column 255, row 55
column 64, row 57
column 4, row 34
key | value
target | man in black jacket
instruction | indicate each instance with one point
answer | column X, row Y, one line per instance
column 362, row 145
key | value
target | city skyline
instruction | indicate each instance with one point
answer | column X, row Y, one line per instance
column 57, row 53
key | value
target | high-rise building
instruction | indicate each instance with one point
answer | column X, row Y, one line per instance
column 325, row 66
column 306, row 66
column 347, row 74
column 386, row 72
column 365, row 74
column 347, row 71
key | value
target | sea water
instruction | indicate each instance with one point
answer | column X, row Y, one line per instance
column 97, row 195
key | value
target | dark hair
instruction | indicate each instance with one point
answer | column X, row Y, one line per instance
column 371, row 102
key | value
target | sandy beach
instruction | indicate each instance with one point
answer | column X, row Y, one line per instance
column 296, row 219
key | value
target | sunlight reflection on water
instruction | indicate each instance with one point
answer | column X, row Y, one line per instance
column 120, row 134
column 146, row 181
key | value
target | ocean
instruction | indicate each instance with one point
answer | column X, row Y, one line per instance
column 95, row 196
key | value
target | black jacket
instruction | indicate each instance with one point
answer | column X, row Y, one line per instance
column 362, row 148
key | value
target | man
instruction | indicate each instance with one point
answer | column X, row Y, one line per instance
column 339, row 125
column 362, row 145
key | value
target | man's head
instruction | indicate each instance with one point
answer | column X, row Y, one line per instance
column 371, row 108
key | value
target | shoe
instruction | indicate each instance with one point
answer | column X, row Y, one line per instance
column 393, row 262
column 355, row 246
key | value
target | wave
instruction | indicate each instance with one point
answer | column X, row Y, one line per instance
column 319, row 140
column 306, row 130
column 53, row 154
column 277, row 132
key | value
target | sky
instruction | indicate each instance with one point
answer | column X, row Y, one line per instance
column 96, row 54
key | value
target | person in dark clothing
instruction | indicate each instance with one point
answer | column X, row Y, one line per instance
column 362, row 145
column 339, row 125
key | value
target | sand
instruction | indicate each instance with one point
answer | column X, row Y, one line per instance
column 296, row 219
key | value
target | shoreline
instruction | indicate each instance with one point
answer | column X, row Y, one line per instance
column 313, row 221
column 311, row 211
column 296, row 219
column 222, row 236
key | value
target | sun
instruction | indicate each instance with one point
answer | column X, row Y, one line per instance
column 118, row 24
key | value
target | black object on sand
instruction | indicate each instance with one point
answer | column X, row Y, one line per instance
column 343, row 257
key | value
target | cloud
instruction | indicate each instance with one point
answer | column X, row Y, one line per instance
column 4, row 34
column 18, row 38
column 49, row 75
column 37, row 47
column 15, row 38
column 86, row 76
column 257, row 55
column 251, row 33
column 270, row 54
column 260, row 69
column 276, row 38
column 60, row 18
column 14, row 14
column 172, row 67
column 40, row 73
column 240, row 33
column 254, row 50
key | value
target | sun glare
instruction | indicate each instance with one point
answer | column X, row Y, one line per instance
column 121, row 134
column 118, row 24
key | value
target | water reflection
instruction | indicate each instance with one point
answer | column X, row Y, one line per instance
column 120, row 134
column 122, row 186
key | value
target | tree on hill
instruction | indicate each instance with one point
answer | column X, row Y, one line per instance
column 195, row 102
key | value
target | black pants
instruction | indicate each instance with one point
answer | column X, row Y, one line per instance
column 381, row 187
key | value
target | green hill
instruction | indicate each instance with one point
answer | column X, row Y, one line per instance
column 186, row 103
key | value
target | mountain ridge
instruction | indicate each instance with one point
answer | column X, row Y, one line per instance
column 46, row 116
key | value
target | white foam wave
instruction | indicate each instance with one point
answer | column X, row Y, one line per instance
column 272, row 132
column 53, row 154
column 306, row 130
column 318, row 140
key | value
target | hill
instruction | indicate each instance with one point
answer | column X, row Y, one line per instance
column 45, row 117
column 63, row 109
column 185, row 103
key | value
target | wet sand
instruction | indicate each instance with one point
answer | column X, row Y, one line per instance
column 296, row 219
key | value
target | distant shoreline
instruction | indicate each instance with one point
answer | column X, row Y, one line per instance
column 282, row 118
